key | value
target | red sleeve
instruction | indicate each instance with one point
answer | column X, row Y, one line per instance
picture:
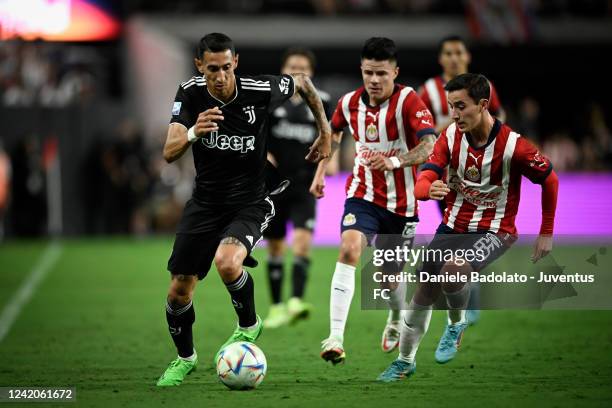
column 531, row 163
column 417, row 118
column 421, row 188
column 550, row 189
column 494, row 102
column 338, row 121
column 425, row 98
column 440, row 157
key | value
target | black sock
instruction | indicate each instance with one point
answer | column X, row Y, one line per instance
column 180, row 320
column 242, row 291
column 275, row 277
column 300, row 274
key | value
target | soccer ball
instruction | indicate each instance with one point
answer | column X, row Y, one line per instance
column 241, row 366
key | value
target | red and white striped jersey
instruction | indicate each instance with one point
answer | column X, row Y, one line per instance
column 485, row 182
column 391, row 129
column 434, row 96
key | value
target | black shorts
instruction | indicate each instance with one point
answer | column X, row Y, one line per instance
column 491, row 245
column 297, row 205
column 202, row 228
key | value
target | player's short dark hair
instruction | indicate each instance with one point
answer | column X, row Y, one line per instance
column 214, row 42
column 476, row 85
column 451, row 38
column 379, row 49
column 303, row 52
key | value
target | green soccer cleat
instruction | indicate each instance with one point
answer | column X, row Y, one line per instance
column 177, row 371
column 298, row 309
column 241, row 334
column 397, row 371
column 277, row 317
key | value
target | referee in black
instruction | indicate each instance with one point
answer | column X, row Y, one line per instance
column 224, row 118
column 293, row 129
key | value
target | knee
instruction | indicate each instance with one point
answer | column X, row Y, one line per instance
column 301, row 242
column 301, row 249
column 426, row 294
column 350, row 251
column 181, row 289
column 276, row 247
column 454, row 268
column 228, row 265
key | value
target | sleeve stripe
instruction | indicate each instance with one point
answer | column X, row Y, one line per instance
column 426, row 131
column 544, row 175
column 256, row 85
column 195, row 83
column 254, row 82
column 430, row 166
column 256, row 89
column 194, row 80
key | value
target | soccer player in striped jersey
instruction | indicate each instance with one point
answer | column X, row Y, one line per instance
column 454, row 58
column 393, row 132
column 486, row 161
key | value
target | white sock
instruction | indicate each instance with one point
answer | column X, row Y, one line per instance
column 414, row 325
column 342, row 289
column 250, row 327
column 457, row 303
column 191, row 357
column 397, row 302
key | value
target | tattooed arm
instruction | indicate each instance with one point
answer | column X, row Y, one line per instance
column 414, row 157
column 321, row 148
column 318, row 182
column 420, row 153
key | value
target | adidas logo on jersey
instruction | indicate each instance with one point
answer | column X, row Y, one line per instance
column 240, row 144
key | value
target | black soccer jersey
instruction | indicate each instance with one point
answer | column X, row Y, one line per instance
column 230, row 162
column 293, row 130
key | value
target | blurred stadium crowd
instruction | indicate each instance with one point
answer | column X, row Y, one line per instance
column 124, row 184
column 352, row 7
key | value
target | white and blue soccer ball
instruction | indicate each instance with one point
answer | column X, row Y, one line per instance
column 241, row 366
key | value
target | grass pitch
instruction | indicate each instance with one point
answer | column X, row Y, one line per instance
column 97, row 322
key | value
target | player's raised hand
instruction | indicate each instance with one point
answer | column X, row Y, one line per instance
column 207, row 121
column 542, row 247
column 320, row 149
column 317, row 187
column 438, row 190
column 379, row 162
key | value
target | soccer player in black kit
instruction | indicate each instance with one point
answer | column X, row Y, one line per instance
column 224, row 118
column 292, row 131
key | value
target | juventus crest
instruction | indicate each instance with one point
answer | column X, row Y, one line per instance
column 250, row 112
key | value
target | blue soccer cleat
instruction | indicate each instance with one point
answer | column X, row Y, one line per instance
column 396, row 371
column 450, row 342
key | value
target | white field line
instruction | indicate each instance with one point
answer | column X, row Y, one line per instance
column 44, row 265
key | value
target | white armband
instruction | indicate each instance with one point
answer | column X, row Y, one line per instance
column 191, row 136
column 396, row 162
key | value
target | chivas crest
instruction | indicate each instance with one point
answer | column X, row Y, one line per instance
column 472, row 173
column 372, row 132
